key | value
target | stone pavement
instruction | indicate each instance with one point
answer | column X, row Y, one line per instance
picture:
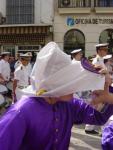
column 82, row 141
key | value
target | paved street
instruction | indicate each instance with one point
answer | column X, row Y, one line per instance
column 82, row 141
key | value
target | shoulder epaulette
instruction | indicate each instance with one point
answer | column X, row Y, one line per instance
column 97, row 59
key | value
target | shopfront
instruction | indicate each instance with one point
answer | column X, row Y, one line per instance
column 84, row 32
column 19, row 39
column 83, row 24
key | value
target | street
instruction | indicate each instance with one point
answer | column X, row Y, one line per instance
column 82, row 141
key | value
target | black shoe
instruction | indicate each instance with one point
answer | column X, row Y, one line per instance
column 91, row 132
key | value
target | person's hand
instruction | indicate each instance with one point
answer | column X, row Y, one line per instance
column 102, row 96
column 97, row 67
column 103, row 71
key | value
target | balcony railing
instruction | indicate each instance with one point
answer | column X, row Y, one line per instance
column 74, row 3
column 103, row 3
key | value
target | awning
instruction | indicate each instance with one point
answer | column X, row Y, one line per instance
column 25, row 30
column 18, row 34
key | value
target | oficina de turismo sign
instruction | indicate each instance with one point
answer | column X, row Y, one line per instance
column 71, row 21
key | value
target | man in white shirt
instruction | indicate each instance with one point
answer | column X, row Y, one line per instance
column 102, row 50
column 76, row 55
column 18, row 62
column 98, row 61
column 21, row 76
column 5, row 67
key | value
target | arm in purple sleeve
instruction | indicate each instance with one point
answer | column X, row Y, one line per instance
column 107, row 137
column 12, row 130
column 88, row 115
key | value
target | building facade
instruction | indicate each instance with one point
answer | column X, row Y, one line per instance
column 25, row 25
column 83, row 24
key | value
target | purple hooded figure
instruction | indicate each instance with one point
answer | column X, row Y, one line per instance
column 43, row 120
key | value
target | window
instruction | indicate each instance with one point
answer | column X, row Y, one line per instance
column 74, row 39
column 104, row 3
column 107, row 37
column 20, row 11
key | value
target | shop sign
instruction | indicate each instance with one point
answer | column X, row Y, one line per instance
column 71, row 21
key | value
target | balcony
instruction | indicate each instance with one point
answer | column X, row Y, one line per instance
column 74, row 6
column 103, row 6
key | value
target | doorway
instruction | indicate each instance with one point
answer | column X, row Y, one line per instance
column 74, row 39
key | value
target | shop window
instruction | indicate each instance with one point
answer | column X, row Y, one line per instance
column 107, row 37
column 74, row 39
column 104, row 3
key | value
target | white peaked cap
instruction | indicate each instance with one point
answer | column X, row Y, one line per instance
column 76, row 51
column 102, row 45
column 107, row 56
column 55, row 72
column 28, row 54
column 5, row 53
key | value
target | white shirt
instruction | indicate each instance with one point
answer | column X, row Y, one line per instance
column 99, row 61
column 22, row 75
column 29, row 67
column 17, row 64
column 5, row 69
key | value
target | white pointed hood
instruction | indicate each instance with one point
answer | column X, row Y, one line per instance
column 55, row 73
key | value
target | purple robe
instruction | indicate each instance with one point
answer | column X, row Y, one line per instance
column 33, row 124
column 107, row 137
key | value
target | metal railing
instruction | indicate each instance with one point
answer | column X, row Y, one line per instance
column 74, row 3
column 103, row 3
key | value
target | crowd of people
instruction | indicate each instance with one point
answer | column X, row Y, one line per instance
column 51, row 97
column 101, row 60
column 15, row 74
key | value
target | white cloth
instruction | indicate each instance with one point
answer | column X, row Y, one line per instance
column 5, row 69
column 55, row 72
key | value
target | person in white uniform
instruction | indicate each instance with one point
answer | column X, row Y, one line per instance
column 102, row 50
column 21, row 76
column 76, row 55
column 98, row 61
column 4, row 67
column 18, row 61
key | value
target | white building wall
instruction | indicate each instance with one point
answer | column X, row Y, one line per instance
column 3, row 7
column 44, row 11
